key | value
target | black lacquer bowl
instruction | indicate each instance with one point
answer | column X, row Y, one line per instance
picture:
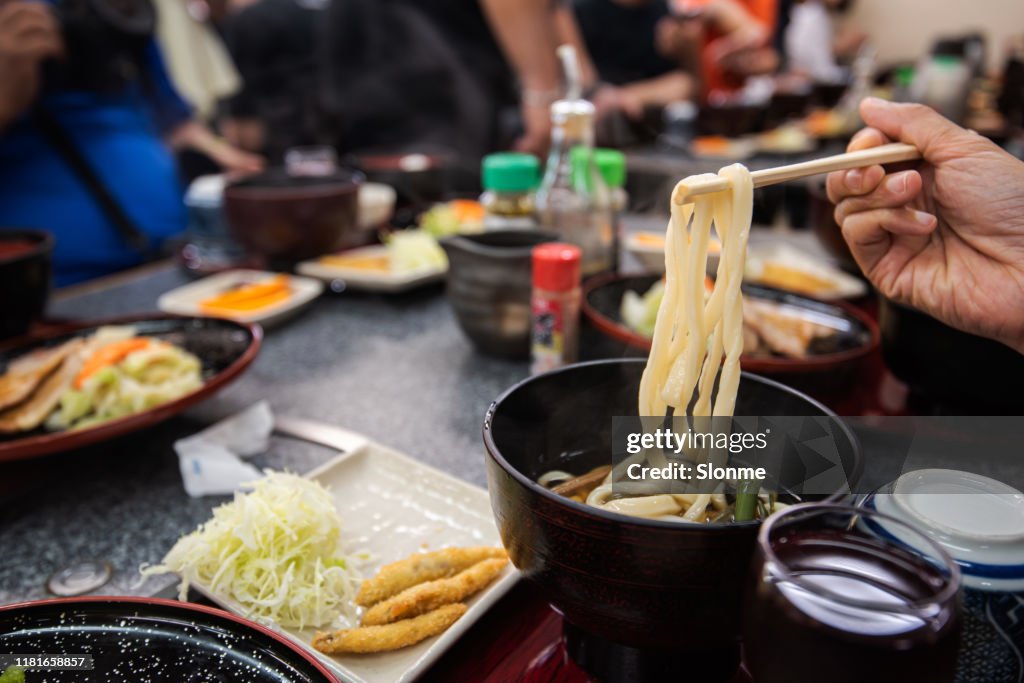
column 224, row 347
column 149, row 639
column 25, row 279
column 642, row 599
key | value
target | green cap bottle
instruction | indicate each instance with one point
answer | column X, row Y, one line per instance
column 511, row 172
column 611, row 163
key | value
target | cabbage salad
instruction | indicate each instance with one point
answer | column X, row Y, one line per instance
column 640, row 312
column 277, row 551
column 123, row 374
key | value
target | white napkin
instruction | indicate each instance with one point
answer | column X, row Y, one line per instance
column 211, row 460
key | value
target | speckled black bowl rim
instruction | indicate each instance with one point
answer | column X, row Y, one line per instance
column 43, row 240
column 590, row 511
column 48, row 444
column 306, row 656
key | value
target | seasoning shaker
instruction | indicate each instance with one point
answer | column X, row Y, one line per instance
column 555, row 306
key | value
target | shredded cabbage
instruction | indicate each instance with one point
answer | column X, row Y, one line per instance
column 640, row 312
column 276, row 550
column 145, row 378
column 415, row 249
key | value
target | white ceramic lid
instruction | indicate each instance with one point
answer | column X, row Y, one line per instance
column 978, row 520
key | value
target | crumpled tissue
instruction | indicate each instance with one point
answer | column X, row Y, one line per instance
column 211, row 460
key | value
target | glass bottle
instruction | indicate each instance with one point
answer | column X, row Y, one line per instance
column 611, row 163
column 509, row 179
column 576, row 205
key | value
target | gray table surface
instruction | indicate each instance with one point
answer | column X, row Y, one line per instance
column 395, row 368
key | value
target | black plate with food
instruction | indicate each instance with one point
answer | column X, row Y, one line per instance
column 135, row 639
column 94, row 381
column 811, row 345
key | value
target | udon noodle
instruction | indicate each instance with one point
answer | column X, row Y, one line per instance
column 694, row 364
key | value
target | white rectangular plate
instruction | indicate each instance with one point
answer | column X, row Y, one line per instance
column 186, row 300
column 371, row 280
column 394, row 506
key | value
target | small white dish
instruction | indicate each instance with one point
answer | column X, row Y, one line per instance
column 841, row 285
column 371, row 280
column 187, row 299
column 393, row 506
column 376, row 204
column 978, row 520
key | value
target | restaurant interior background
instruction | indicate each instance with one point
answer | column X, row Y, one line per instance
column 324, row 325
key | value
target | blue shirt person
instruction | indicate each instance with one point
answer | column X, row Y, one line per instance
column 119, row 132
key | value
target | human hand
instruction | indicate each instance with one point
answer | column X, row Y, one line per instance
column 29, row 34
column 947, row 238
column 610, row 98
column 236, row 161
column 536, row 137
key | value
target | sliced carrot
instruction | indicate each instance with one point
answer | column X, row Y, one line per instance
column 467, row 210
column 111, row 354
column 254, row 291
column 251, row 304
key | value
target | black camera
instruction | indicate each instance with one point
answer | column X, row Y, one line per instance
column 105, row 44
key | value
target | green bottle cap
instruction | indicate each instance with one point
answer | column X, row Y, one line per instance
column 511, row 172
column 904, row 75
column 612, row 165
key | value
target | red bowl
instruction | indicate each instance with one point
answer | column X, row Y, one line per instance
column 824, row 376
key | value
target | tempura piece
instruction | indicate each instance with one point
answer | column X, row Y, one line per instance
column 390, row 636
column 397, row 576
column 428, row 596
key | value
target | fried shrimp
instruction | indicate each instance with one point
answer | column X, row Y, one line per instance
column 394, row 578
column 428, row 596
column 390, row 636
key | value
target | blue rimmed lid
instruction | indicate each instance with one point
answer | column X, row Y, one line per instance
column 978, row 520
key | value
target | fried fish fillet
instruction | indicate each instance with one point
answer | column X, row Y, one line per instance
column 390, row 636
column 31, row 412
column 397, row 576
column 26, row 372
column 429, row 596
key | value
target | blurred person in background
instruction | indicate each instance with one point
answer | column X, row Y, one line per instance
column 815, row 43
column 642, row 60
column 735, row 41
column 87, row 116
column 441, row 75
column 946, row 238
column 273, row 44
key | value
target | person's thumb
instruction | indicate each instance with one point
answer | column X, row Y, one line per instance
column 916, row 124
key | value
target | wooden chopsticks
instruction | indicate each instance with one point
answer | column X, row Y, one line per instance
column 885, row 154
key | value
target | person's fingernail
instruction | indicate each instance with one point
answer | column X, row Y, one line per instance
column 854, row 179
column 896, row 184
column 923, row 217
column 874, row 102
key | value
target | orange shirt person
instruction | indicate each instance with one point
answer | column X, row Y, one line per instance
column 734, row 42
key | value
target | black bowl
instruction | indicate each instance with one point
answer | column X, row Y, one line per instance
column 149, row 639
column 25, row 278
column 930, row 357
column 652, row 591
column 291, row 218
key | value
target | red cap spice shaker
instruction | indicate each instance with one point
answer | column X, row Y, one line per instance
column 555, row 306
